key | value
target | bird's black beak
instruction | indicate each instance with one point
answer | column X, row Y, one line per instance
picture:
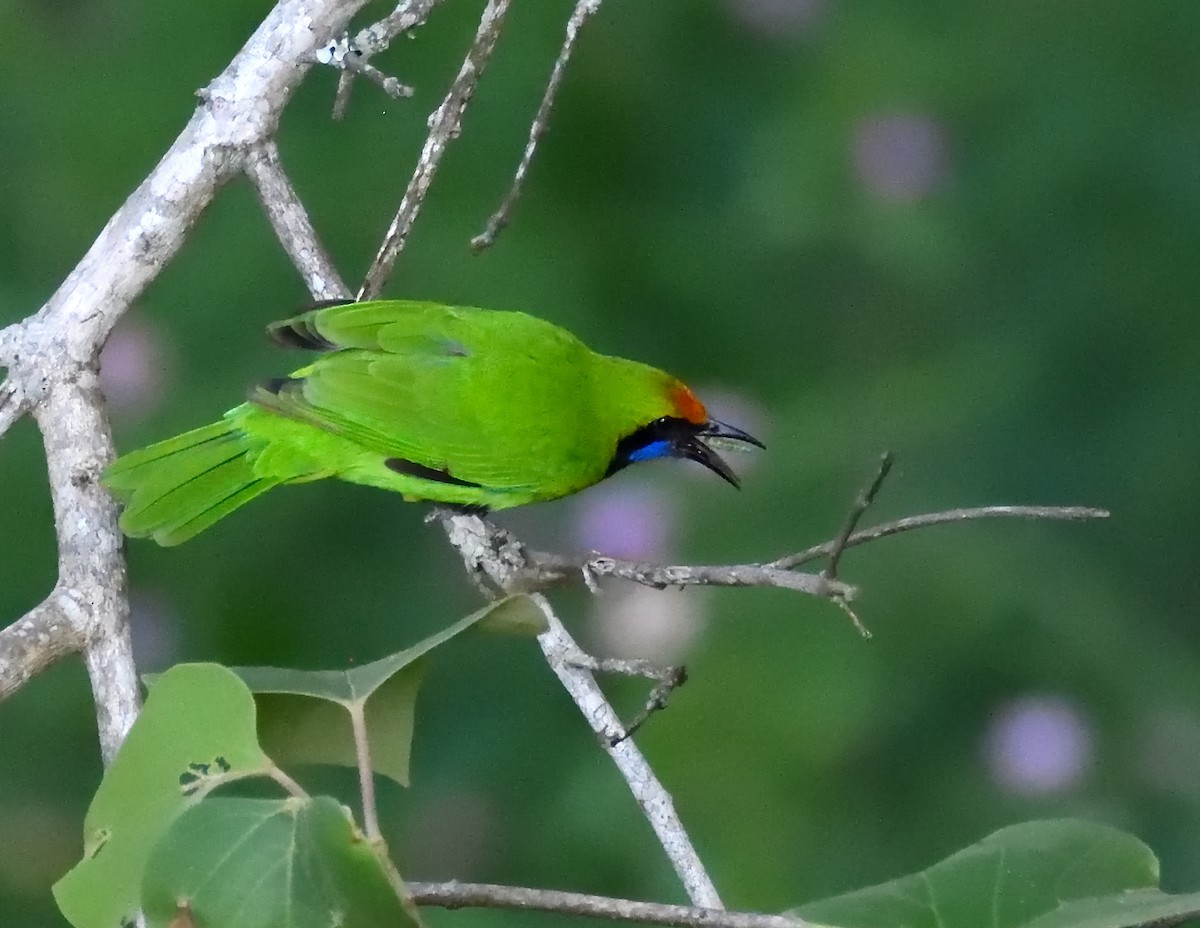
column 696, row 450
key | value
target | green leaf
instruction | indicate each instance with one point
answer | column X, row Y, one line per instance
column 197, row 730
column 1050, row 874
column 1140, row 907
column 315, row 728
column 256, row 863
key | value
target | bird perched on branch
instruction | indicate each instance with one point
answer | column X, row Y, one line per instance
column 470, row 407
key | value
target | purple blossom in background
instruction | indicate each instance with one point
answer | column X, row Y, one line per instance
column 1039, row 744
column 133, row 368
column 901, row 157
column 625, row 518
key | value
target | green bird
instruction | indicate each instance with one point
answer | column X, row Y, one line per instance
column 476, row 408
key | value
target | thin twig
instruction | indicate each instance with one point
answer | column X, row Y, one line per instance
column 672, row 679
column 660, row 577
column 455, row 895
column 861, row 503
column 666, row 681
column 545, row 569
column 341, row 54
column 541, row 122
column 1066, row 513
column 292, row 226
column 375, row 38
column 444, row 124
column 366, row 773
column 392, row 86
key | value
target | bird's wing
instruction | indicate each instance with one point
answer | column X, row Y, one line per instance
column 394, row 326
column 485, row 414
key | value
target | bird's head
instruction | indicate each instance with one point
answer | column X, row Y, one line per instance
column 681, row 428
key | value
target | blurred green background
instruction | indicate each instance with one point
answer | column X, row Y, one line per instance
column 963, row 231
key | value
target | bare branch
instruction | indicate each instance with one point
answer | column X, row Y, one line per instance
column 444, row 124
column 91, row 561
column 565, row 658
column 527, row 570
column 12, row 404
column 495, row 555
column 457, row 895
column 352, row 61
column 861, row 503
column 36, row 640
column 541, row 122
column 51, row 356
column 404, row 18
column 357, row 52
column 1066, row 513
column 660, row 577
column 292, row 226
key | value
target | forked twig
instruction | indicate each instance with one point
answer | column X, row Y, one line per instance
column 666, row 681
column 372, row 40
column 861, row 503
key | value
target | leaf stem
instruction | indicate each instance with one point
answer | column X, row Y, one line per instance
column 366, row 776
column 293, row 788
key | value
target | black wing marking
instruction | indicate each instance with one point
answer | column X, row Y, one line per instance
column 413, row 469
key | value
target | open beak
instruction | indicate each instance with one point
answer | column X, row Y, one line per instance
column 696, row 450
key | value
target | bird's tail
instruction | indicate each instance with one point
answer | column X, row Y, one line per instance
column 179, row 487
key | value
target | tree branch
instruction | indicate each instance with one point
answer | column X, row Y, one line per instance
column 374, row 39
column 12, row 400
column 455, row 895
column 292, row 226
column 445, row 124
column 541, row 122
column 1066, row 513
column 564, row 657
column 51, row 356
column 494, row 555
column 37, row 640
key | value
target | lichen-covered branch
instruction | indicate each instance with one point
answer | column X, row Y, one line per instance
column 51, row 356
column 372, row 40
column 289, row 219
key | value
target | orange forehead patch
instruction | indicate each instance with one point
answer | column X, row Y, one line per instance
column 686, row 404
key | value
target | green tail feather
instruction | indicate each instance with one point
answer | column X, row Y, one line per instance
column 179, row 487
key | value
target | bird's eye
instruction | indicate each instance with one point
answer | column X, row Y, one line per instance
column 662, row 420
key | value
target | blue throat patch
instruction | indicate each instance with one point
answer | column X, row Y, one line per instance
column 656, row 449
